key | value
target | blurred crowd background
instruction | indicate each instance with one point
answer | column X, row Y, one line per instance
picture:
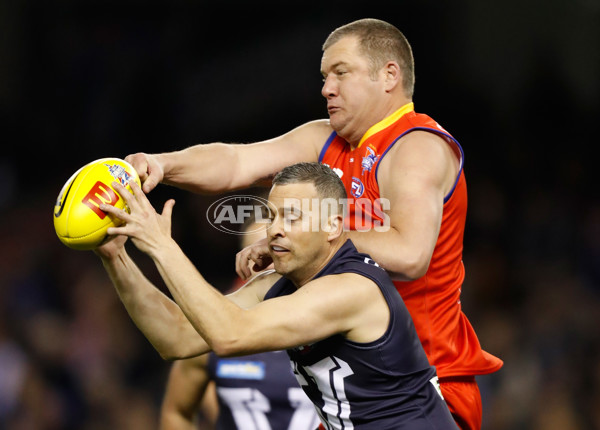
column 517, row 82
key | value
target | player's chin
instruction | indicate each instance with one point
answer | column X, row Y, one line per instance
column 337, row 121
column 280, row 266
column 334, row 119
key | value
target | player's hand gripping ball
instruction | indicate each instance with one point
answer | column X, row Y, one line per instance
column 78, row 220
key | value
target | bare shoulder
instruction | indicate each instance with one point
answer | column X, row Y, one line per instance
column 317, row 128
column 339, row 279
column 350, row 289
column 355, row 302
column 312, row 134
column 423, row 144
column 423, row 154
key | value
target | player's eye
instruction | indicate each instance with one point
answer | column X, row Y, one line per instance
column 292, row 215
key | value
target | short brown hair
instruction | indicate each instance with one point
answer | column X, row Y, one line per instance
column 327, row 183
column 380, row 42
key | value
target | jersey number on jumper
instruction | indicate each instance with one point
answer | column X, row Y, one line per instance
column 329, row 375
column 249, row 408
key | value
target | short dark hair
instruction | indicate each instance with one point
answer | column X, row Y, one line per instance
column 327, row 183
column 380, row 42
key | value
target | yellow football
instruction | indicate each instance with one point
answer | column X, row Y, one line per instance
column 78, row 220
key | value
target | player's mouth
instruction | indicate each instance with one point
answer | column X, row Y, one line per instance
column 278, row 249
column 333, row 109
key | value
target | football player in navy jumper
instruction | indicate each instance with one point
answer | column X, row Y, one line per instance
column 351, row 341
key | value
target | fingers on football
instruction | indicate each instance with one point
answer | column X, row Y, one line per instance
column 140, row 164
column 137, row 197
column 119, row 213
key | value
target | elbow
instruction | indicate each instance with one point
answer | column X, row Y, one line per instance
column 233, row 343
column 166, row 356
column 416, row 272
column 228, row 348
column 178, row 351
column 409, row 270
column 223, row 351
column 173, row 354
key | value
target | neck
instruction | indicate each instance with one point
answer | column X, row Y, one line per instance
column 390, row 118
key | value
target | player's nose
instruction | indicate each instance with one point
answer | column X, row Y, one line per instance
column 329, row 88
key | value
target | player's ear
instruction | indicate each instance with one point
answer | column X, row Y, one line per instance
column 334, row 227
column 392, row 74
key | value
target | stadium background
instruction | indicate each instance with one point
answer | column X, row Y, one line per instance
column 515, row 81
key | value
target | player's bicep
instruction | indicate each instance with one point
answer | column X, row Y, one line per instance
column 320, row 309
column 415, row 208
column 262, row 160
column 413, row 179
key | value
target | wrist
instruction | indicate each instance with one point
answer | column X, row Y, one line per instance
column 164, row 249
column 164, row 164
column 109, row 253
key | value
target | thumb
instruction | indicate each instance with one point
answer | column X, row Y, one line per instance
column 155, row 175
column 168, row 208
column 149, row 184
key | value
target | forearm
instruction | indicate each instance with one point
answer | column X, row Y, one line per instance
column 212, row 315
column 392, row 252
column 176, row 420
column 186, row 386
column 205, row 168
column 219, row 167
column 158, row 317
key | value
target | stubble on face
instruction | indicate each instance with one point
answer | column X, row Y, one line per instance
column 297, row 250
column 350, row 89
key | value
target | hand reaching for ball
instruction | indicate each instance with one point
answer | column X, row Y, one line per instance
column 148, row 230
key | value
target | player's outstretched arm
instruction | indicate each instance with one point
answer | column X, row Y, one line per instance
column 186, row 386
column 208, row 311
column 218, row 167
column 157, row 316
column 249, row 324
